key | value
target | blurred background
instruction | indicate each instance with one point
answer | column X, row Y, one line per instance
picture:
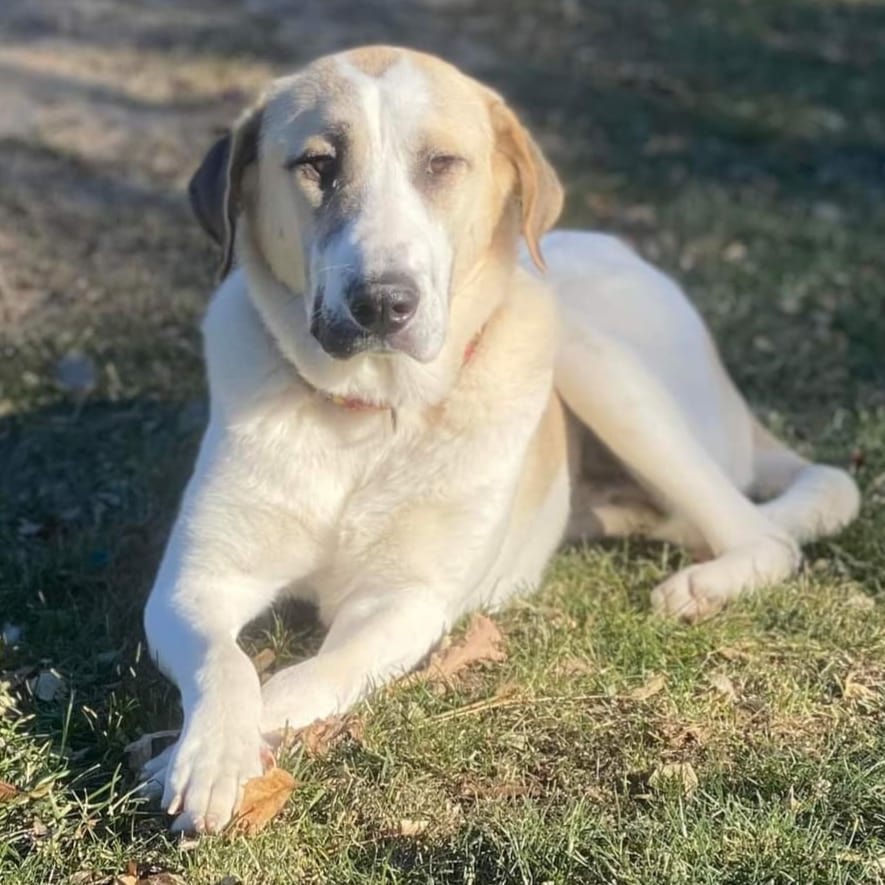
column 741, row 144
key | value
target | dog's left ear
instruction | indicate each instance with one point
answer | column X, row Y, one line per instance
column 538, row 186
column 216, row 187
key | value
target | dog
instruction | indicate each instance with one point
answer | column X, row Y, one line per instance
column 408, row 416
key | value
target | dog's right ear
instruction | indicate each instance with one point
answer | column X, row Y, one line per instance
column 216, row 188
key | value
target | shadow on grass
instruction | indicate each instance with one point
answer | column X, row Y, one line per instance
column 775, row 106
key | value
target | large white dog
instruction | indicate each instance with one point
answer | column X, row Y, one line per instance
column 407, row 419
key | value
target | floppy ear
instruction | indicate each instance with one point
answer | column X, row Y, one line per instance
column 216, row 187
column 538, row 186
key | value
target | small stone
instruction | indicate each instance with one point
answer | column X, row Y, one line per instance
column 75, row 373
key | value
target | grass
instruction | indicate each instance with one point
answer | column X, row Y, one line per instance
column 740, row 145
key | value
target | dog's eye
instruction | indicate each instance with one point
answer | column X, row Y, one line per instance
column 441, row 164
column 319, row 168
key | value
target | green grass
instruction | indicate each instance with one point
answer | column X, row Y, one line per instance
column 740, row 145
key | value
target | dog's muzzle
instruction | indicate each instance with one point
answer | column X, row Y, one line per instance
column 378, row 313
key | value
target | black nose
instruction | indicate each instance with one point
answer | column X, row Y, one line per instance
column 383, row 305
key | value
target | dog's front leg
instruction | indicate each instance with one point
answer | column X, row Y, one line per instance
column 226, row 559
column 192, row 621
column 373, row 638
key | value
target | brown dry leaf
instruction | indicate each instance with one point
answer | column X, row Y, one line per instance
column 681, row 774
column 264, row 660
column 8, row 791
column 684, row 737
column 263, row 799
column 732, row 653
column 723, row 685
column 321, row 736
column 141, row 750
column 496, row 790
column 482, row 641
column 854, row 690
column 151, row 876
column 412, row 828
column 653, row 685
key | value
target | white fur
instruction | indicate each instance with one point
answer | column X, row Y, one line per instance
column 396, row 522
column 393, row 230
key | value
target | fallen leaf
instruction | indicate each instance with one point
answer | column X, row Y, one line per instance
column 143, row 875
column 680, row 774
column 8, row 791
column 854, row 690
column 412, row 828
column 723, row 685
column 263, row 799
column 321, row 736
column 141, row 751
column 730, row 653
column 263, row 661
column 48, row 686
column 682, row 737
column 496, row 790
column 482, row 641
column 652, row 686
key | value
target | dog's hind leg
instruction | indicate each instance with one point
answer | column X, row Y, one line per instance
column 606, row 502
column 638, row 419
column 808, row 500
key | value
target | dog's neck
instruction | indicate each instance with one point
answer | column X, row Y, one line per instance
column 377, row 382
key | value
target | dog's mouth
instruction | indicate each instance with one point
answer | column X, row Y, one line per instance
column 341, row 340
column 343, row 337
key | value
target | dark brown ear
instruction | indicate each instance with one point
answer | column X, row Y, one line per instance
column 216, row 187
column 538, row 186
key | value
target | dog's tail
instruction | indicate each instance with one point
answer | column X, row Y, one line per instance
column 808, row 500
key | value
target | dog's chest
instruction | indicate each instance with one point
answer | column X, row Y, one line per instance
column 352, row 482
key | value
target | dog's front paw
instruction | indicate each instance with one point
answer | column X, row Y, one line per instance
column 299, row 695
column 202, row 776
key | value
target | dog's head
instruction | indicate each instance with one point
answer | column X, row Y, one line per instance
column 374, row 183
